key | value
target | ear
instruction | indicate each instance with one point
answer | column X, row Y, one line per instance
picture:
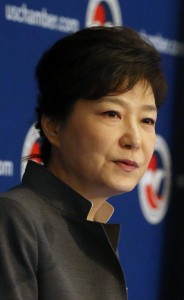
column 50, row 128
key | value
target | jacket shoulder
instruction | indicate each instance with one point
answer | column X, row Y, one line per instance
column 20, row 197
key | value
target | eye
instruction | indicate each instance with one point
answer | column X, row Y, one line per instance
column 148, row 121
column 112, row 114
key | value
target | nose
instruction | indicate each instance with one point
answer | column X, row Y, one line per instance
column 130, row 137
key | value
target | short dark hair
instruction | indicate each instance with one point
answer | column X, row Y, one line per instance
column 90, row 64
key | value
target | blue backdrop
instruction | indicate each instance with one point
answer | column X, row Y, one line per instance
column 27, row 29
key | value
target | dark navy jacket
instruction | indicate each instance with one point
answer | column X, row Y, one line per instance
column 48, row 250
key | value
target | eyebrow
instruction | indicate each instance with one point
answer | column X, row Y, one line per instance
column 145, row 107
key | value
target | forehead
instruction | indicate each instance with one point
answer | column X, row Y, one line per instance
column 140, row 95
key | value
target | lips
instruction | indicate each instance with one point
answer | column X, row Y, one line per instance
column 127, row 165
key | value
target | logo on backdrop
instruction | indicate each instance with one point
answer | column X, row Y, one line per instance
column 6, row 168
column 154, row 188
column 103, row 13
column 31, row 147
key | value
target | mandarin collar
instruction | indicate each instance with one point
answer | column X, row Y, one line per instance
column 56, row 192
column 47, row 185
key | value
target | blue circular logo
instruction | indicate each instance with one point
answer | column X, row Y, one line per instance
column 154, row 188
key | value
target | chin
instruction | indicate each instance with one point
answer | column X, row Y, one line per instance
column 122, row 189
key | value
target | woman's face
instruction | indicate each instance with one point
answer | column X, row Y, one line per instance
column 106, row 145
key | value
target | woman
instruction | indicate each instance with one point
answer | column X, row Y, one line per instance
column 99, row 92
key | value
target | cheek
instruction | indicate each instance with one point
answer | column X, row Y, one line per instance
column 87, row 142
column 94, row 139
